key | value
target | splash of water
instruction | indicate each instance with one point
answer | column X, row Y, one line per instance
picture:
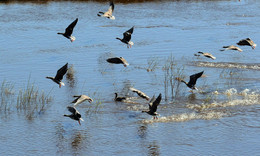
column 248, row 98
column 187, row 117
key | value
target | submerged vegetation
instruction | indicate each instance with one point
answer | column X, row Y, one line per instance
column 7, row 90
column 30, row 100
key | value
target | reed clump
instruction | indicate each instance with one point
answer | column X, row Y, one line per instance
column 152, row 64
column 7, row 91
column 172, row 71
column 29, row 100
column 32, row 101
column 95, row 107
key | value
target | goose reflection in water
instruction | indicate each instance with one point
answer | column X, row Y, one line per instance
column 153, row 149
column 70, row 76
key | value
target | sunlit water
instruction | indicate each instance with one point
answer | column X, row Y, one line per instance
column 222, row 118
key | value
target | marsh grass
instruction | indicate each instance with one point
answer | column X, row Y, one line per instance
column 7, row 92
column 152, row 64
column 232, row 76
column 171, row 71
column 95, row 106
column 32, row 101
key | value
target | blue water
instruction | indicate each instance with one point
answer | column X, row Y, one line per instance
column 216, row 120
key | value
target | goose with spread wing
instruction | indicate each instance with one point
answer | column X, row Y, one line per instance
column 75, row 115
column 231, row 47
column 153, row 106
column 59, row 76
column 69, row 31
column 118, row 60
column 81, row 98
column 109, row 12
column 247, row 42
column 193, row 79
column 127, row 37
column 140, row 93
column 208, row 55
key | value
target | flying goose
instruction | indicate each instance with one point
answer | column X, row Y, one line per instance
column 118, row 60
column 153, row 106
column 69, row 31
column 60, row 73
column 75, row 114
column 119, row 98
column 193, row 79
column 140, row 93
column 209, row 55
column 231, row 47
column 127, row 37
column 109, row 12
column 81, row 98
column 247, row 42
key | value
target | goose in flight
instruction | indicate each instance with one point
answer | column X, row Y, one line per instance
column 59, row 76
column 75, row 115
column 109, row 12
column 140, row 93
column 81, row 98
column 127, row 38
column 193, row 79
column 153, row 106
column 247, row 42
column 209, row 55
column 118, row 60
column 69, row 31
column 231, row 47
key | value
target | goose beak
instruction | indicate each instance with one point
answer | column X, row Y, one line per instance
column 79, row 122
column 59, row 85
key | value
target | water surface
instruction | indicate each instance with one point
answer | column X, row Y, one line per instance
column 222, row 118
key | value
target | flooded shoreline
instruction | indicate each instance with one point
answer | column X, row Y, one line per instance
column 209, row 121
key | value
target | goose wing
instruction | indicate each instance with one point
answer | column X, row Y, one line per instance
column 194, row 77
column 62, row 71
column 127, row 34
column 115, row 60
column 69, row 29
column 140, row 93
column 72, row 110
column 77, row 100
column 245, row 42
column 111, row 8
column 155, row 103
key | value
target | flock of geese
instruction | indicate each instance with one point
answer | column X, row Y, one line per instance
column 153, row 102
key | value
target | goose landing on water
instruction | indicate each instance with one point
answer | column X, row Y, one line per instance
column 75, row 114
column 81, row 98
column 247, row 42
column 207, row 55
column 120, row 99
column 69, row 31
column 127, row 37
column 231, row 47
column 59, row 76
column 153, row 106
column 193, row 79
column 109, row 12
column 118, row 60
